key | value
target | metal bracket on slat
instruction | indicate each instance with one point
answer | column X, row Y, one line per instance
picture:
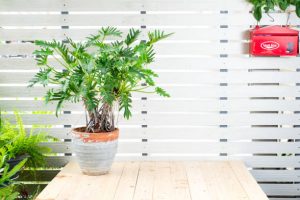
column 223, row 70
column 223, row 98
column 223, row 154
column 223, row 126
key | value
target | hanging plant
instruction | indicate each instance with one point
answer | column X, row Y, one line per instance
column 260, row 6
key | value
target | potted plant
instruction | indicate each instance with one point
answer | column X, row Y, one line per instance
column 268, row 5
column 19, row 145
column 103, row 75
column 7, row 187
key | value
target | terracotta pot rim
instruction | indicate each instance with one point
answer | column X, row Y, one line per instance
column 96, row 137
column 76, row 130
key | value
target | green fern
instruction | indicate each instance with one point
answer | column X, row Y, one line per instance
column 17, row 142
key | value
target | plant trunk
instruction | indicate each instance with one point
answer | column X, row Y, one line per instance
column 101, row 120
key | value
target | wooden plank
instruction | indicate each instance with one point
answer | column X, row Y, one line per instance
column 197, row 185
column 163, row 185
column 181, row 189
column 247, row 181
column 126, row 187
column 221, row 173
column 145, row 181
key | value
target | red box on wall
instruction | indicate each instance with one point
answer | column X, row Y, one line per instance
column 274, row 41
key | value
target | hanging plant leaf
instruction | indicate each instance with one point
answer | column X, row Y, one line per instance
column 298, row 8
column 257, row 13
column 283, row 4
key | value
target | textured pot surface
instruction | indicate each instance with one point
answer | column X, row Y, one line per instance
column 95, row 152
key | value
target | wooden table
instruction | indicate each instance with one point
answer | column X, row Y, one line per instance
column 201, row 180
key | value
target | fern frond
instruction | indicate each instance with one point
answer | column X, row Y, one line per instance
column 157, row 35
column 132, row 36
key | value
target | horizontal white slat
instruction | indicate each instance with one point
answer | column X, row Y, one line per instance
column 67, row 119
column 276, row 175
column 191, row 147
column 243, row 63
column 188, row 49
column 126, row 133
column 24, row 91
column 231, row 105
column 215, row 133
column 124, row 147
column 281, row 189
column 190, row 133
column 189, row 34
column 167, row 77
column 168, row 105
column 203, row 91
column 126, row 5
column 203, row 119
column 188, row 64
column 220, row 147
column 171, row 119
column 49, row 34
column 71, row 20
column 153, row 20
column 38, row 105
column 284, row 198
column 250, row 161
column 26, row 34
column 231, row 91
column 31, row 5
column 62, row 5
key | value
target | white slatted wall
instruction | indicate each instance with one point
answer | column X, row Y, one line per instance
column 224, row 104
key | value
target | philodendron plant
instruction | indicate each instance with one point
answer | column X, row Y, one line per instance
column 99, row 73
column 260, row 6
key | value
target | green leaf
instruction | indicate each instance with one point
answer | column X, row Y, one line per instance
column 297, row 8
column 110, row 31
column 283, row 4
column 157, row 35
column 161, row 92
column 257, row 13
column 98, row 73
column 132, row 36
column 17, row 168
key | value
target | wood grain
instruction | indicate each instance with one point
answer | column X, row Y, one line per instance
column 208, row 180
